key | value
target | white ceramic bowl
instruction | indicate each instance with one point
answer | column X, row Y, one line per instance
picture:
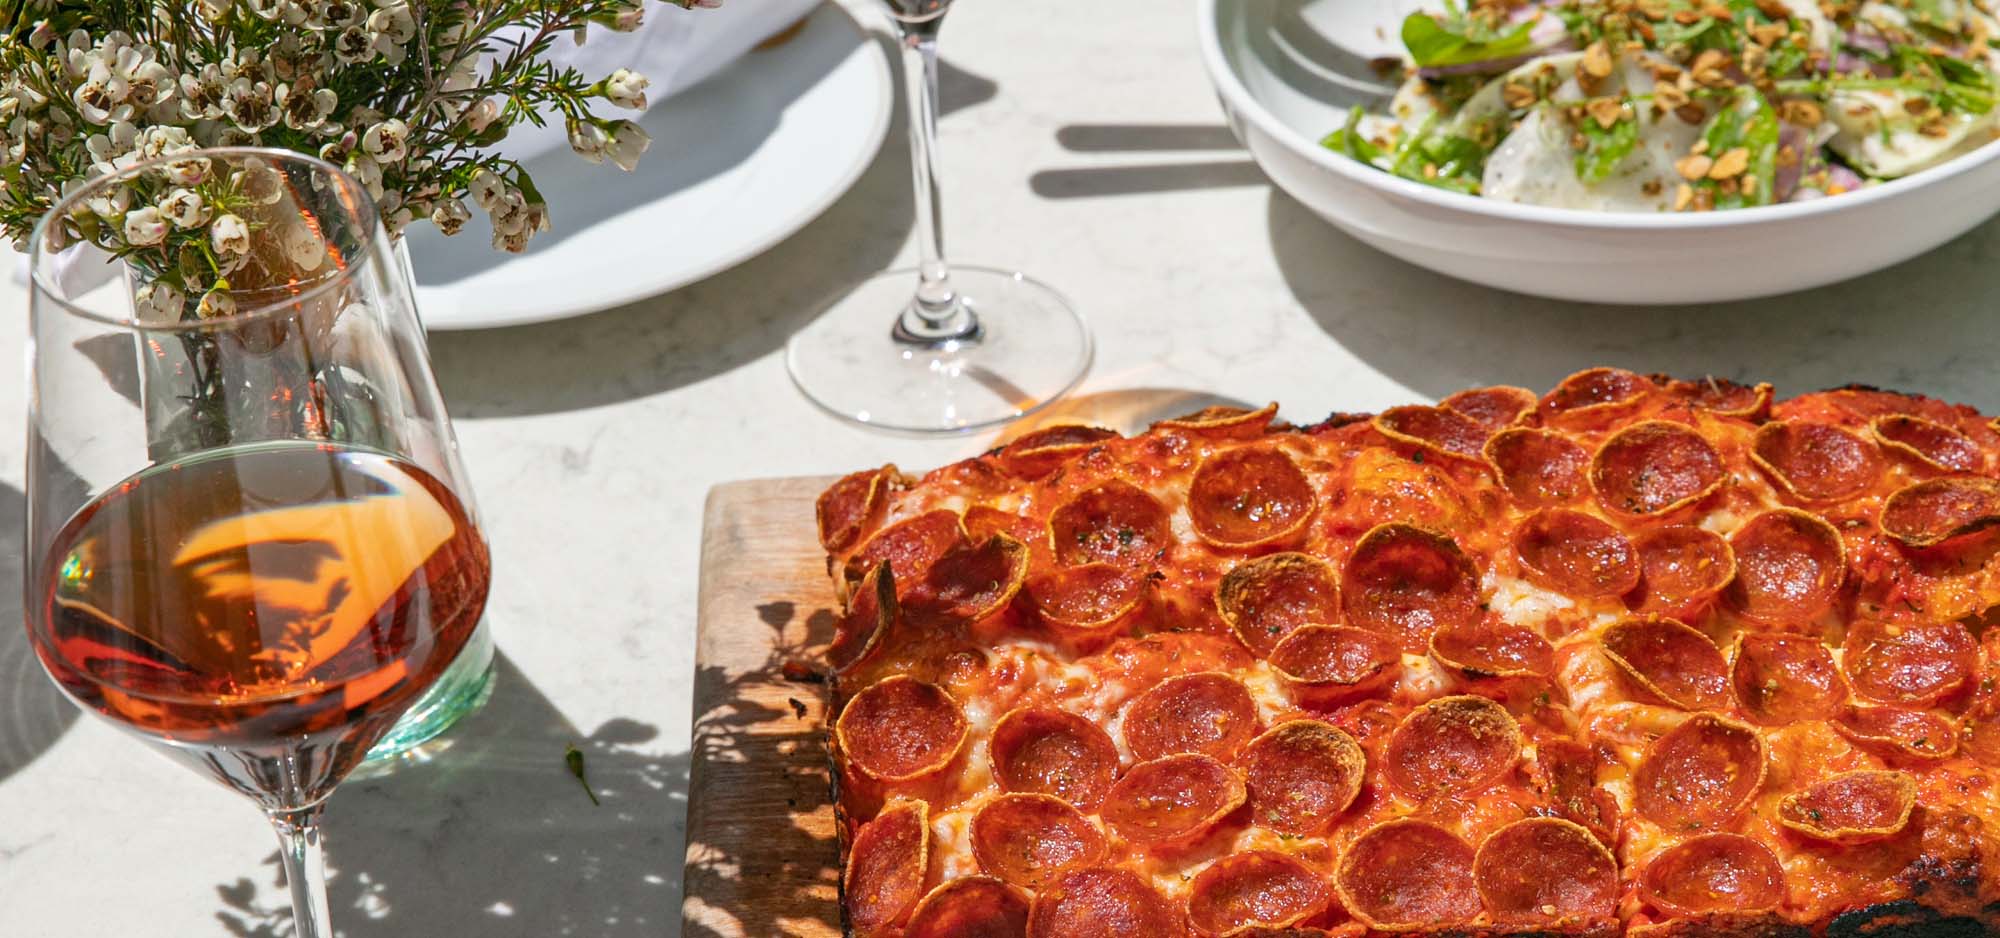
column 1287, row 72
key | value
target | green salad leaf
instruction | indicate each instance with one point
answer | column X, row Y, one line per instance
column 1605, row 147
column 1458, row 40
column 1349, row 141
column 1753, row 125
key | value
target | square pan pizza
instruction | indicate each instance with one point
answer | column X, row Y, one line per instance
column 1638, row 656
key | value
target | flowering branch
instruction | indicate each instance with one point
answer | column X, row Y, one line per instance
column 409, row 96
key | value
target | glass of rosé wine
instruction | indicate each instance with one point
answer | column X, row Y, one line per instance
column 250, row 541
column 942, row 348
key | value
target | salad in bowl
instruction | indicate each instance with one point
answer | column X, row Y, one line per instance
column 1681, row 105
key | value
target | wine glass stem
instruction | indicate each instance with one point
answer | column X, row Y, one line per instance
column 937, row 315
column 305, row 869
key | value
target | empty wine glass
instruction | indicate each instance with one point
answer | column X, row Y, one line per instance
column 943, row 348
column 250, row 542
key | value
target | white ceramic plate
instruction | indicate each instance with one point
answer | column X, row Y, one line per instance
column 1288, row 70
column 738, row 163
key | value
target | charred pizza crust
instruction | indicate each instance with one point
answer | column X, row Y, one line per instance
column 1637, row 656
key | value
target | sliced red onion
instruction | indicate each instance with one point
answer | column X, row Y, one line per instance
column 1847, row 179
column 1785, row 179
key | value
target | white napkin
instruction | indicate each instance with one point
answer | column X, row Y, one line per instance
column 674, row 48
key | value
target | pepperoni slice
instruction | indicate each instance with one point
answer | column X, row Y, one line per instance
column 1903, row 663
column 1116, row 523
column 1492, row 408
column 1233, row 423
column 1042, row 750
column 910, row 546
column 1102, row 903
column 1927, row 443
column 1324, row 666
column 984, row 521
column 1405, row 583
column 886, row 864
column 1568, row 771
column 1892, row 732
column 1545, row 870
column 1700, row 775
column 1815, row 462
column 1037, row 453
column 972, row 581
column 1493, row 650
column 1451, row 746
column 1301, row 775
column 1442, row 431
column 1027, row 839
column 1095, row 598
column 1594, row 393
column 1538, row 467
column 971, row 907
column 1652, row 468
column 1256, row 887
column 900, row 729
column 1263, row 600
column 1250, row 496
column 850, row 506
column 1171, row 799
column 1789, row 565
column 1681, row 566
column 1575, row 554
column 1852, row 807
column 1713, row 873
column 1405, row 874
column 1209, row 713
column 1929, row 513
column 1672, row 661
column 1725, row 397
column 872, row 612
column 1785, row 679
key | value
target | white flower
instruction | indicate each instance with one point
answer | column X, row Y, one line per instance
column 363, row 167
column 303, row 247
column 258, row 182
column 157, row 141
column 144, row 227
column 101, row 94
column 185, row 208
column 627, row 89
column 588, row 140
column 513, row 242
column 353, row 44
column 201, row 93
column 248, row 104
column 628, row 142
column 482, row 114
column 214, row 11
column 109, row 203
column 306, row 108
column 463, row 75
column 148, row 81
column 487, row 189
column 387, row 141
column 41, row 36
column 626, row 18
column 216, row 304
column 159, row 302
column 189, row 172
column 335, row 14
column 450, row 216
column 510, row 213
column 394, row 23
column 113, row 150
column 229, row 235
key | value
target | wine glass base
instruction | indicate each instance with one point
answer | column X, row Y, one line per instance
column 462, row 689
column 1032, row 349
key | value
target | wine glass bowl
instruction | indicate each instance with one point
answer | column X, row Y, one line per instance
column 250, row 540
column 939, row 348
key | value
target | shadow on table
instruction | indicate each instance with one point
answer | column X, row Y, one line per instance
column 494, row 837
column 1925, row 325
column 703, row 329
column 33, row 713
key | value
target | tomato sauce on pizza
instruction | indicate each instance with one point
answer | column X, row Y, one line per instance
column 1638, row 656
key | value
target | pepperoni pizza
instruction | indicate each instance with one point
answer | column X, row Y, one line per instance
column 1638, row 656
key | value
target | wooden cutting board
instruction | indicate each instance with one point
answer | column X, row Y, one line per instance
column 762, row 859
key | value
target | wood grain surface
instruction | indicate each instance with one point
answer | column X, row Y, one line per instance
column 762, row 858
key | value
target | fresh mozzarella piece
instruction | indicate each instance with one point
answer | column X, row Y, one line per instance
column 1809, row 13
column 1536, row 164
column 1880, row 138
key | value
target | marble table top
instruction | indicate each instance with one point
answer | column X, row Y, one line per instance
column 1097, row 163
